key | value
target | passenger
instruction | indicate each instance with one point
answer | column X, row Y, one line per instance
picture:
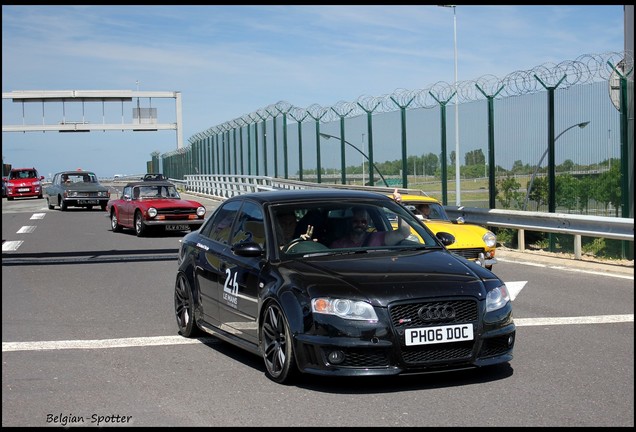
column 359, row 236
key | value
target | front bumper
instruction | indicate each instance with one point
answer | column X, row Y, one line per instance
column 192, row 223
column 372, row 349
column 85, row 202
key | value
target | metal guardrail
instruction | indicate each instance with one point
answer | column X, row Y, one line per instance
column 226, row 186
column 576, row 225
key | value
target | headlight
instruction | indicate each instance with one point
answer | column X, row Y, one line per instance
column 201, row 211
column 497, row 298
column 344, row 308
column 152, row 212
column 490, row 239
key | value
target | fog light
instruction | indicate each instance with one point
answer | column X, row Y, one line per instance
column 336, row 357
column 511, row 340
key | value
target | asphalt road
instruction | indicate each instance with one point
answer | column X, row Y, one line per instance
column 89, row 339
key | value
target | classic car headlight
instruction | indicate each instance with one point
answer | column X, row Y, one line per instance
column 490, row 239
column 497, row 298
column 201, row 211
column 152, row 212
column 344, row 308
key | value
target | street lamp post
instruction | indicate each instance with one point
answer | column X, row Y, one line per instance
column 457, row 158
column 362, row 144
column 327, row 136
column 545, row 153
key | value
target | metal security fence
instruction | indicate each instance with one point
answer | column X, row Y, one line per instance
column 554, row 138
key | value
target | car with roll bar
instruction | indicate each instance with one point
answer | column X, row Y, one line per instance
column 146, row 206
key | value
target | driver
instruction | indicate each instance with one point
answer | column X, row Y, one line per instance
column 286, row 226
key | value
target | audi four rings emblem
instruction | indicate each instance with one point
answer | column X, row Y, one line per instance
column 436, row 312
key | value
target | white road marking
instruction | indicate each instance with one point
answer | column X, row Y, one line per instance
column 602, row 319
column 38, row 216
column 572, row 269
column 180, row 340
column 10, row 246
column 102, row 343
column 26, row 229
column 514, row 288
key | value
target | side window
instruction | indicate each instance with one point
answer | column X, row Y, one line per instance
column 249, row 225
column 220, row 224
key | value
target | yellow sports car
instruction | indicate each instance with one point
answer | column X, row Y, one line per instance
column 473, row 242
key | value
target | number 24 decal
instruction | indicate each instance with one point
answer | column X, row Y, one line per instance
column 231, row 285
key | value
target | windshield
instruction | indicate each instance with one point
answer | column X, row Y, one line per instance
column 428, row 210
column 347, row 227
column 156, row 192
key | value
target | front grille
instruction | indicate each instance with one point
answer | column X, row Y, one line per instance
column 431, row 314
column 437, row 352
column 177, row 211
column 407, row 314
column 472, row 253
column 86, row 195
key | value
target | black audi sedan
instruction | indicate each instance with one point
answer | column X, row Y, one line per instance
column 319, row 282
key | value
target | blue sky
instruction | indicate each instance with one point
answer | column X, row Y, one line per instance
column 229, row 61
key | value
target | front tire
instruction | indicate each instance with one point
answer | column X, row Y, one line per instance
column 48, row 203
column 140, row 227
column 184, row 308
column 276, row 345
column 114, row 223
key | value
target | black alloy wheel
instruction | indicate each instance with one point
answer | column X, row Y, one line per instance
column 184, row 307
column 276, row 345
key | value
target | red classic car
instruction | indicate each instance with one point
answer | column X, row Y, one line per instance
column 144, row 205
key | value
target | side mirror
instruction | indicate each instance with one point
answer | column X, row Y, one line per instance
column 447, row 239
column 247, row 249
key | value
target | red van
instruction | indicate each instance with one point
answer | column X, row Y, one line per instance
column 24, row 182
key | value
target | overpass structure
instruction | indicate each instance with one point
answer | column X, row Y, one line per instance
column 143, row 119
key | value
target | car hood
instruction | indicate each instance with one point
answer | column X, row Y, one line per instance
column 382, row 278
column 466, row 235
